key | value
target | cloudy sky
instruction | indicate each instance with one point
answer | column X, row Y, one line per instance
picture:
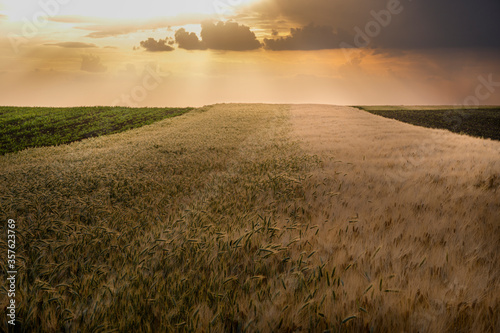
column 197, row 52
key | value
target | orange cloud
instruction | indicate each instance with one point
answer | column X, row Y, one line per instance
column 73, row 45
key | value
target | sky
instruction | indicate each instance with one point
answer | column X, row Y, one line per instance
column 199, row 52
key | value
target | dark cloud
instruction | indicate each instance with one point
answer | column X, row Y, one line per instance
column 152, row 45
column 188, row 41
column 415, row 24
column 92, row 64
column 228, row 36
column 310, row 37
column 73, row 45
column 446, row 23
column 337, row 13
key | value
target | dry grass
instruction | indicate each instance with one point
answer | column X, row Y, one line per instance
column 218, row 220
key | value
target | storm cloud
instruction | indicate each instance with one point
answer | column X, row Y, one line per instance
column 416, row 25
column 310, row 37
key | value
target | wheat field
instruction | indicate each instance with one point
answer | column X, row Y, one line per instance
column 257, row 218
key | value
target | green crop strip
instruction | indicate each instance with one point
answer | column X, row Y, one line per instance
column 27, row 127
column 478, row 121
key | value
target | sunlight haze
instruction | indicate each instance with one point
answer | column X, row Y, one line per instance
column 70, row 52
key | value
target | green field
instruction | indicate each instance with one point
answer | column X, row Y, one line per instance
column 25, row 127
column 477, row 121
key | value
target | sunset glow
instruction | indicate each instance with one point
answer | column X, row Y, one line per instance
column 207, row 51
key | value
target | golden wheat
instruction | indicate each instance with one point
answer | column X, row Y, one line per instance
column 221, row 220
